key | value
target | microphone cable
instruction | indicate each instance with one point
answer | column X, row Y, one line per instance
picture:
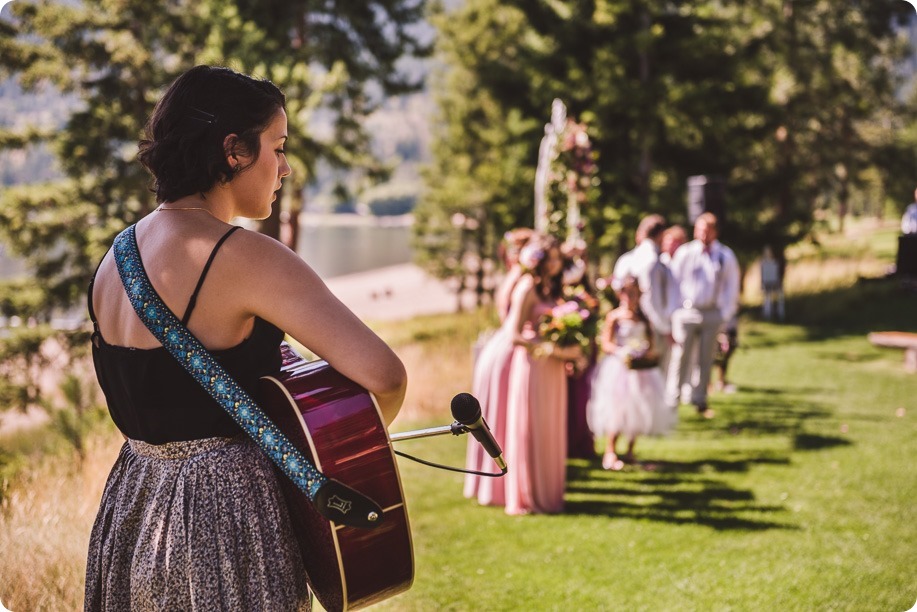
column 449, row 467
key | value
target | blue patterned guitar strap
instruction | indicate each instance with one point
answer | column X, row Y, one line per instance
column 220, row 385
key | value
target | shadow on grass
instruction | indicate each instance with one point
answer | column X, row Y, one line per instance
column 698, row 490
column 778, row 391
column 711, row 517
column 806, row 442
column 678, row 492
column 706, row 490
column 759, row 411
column 869, row 305
column 755, row 338
column 849, row 356
column 761, row 421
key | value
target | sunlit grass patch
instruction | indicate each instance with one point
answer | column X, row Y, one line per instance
column 45, row 518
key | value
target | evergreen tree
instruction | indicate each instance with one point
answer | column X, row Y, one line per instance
column 336, row 61
column 479, row 183
column 828, row 71
column 650, row 83
column 114, row 56
column 775, row 96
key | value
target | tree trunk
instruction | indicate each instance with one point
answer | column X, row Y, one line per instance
column 646, row 160
column 459, row 292
column 293, row 221
column 843, row 204
column 480, row 246
column 271, row 225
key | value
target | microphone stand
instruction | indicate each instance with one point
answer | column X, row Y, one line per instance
column 456, row 429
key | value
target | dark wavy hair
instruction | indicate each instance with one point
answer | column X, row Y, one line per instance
column 183, row 147
column 546, row 286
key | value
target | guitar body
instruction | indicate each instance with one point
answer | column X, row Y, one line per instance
column 337, row 424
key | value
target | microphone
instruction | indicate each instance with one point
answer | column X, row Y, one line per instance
column 466, row 409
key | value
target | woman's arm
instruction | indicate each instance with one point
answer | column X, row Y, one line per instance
column 503, row 295
column 520, row 310
column 277, row 285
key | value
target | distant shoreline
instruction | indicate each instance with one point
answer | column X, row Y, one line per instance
column 314, row 219
column 395, row 293
column 325, row 253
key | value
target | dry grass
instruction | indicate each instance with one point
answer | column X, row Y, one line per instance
column 810, row 276
column 437, row 354
column 435, row 375
column 47, row 513
column 836, row 261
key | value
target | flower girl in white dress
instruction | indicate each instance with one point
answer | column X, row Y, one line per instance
column 628, row 395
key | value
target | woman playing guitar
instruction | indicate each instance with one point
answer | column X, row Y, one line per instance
column 192, row 517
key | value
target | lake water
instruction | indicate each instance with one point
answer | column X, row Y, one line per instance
column 336, row 250
column 331, row 248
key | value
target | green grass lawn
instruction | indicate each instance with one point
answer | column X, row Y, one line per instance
column 798, row 495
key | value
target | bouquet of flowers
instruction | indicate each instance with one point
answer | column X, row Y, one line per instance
column 571, row 323
column 636, row 355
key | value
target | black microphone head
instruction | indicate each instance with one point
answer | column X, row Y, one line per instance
column 466, row 409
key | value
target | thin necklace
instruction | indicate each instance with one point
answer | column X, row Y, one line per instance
column 206, row 210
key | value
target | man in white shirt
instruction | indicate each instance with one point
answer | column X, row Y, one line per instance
column 672, row 238
column 642, row 263
column 707, row 273
column 909, row 218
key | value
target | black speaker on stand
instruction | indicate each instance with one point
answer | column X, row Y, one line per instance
column 707, row 193
column 906, row 262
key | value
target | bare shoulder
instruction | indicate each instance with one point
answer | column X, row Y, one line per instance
column 259, row 257
column 259, row 274
column 254, row 245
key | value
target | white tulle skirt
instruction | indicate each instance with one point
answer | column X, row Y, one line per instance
column 628, row 402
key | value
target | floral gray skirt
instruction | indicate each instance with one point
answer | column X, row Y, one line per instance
column 197, row 525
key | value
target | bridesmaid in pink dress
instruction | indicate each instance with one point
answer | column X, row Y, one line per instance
column 490, row 381
column 536, row 416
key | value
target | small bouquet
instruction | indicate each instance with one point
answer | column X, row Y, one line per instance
column 637, row 355
column 569, row 324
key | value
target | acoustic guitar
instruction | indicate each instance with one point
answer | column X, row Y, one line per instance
column 337, row 424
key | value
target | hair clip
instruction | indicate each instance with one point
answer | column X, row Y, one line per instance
column 202, row 116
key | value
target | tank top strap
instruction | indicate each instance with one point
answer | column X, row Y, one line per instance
column 200, row 282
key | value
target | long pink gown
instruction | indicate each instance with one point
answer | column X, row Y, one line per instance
column 490, row 384
column 536, row 430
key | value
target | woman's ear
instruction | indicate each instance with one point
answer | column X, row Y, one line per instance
column 230, row 144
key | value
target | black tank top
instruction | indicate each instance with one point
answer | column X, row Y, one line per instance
column 153, row 399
